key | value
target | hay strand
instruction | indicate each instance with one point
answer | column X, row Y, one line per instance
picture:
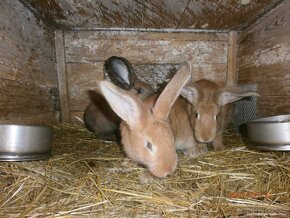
column 90, row 177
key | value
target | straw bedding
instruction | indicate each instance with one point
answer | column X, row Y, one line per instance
column 87, row 177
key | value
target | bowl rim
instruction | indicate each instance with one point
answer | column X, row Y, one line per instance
column 26, row 126
column 277, row 119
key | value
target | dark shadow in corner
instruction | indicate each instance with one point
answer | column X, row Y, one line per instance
column 244, row 134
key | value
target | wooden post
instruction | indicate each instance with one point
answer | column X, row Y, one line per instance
column 61, row 76
column 232, row 59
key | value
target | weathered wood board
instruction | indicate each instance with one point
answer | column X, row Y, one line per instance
column 232, row 59
column 86, row 52
column 27, row 102
column 264, row 59
column 205, row 14
column 82, row 77
column 142, row 48
column 273, row 105
column 27, row 66
column 61, row 76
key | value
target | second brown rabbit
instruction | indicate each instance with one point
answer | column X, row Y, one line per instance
column 210, row 110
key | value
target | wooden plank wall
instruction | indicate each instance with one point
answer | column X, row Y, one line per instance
column 158, row 14
column 86, row 51
column 28, row 85
column 61, row 76
column 264, row 59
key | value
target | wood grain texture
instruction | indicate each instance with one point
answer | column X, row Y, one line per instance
column 82, row 77
column 98, row 46
column 273, row 105
column 32, row 119
column 264, row 57
column 61, row 76
column 25, row 102
column 230, row 15
column 26, row 45
column 206, row 14
column 232, row 58
column 86, row 52
column 214, row 72
column 27, row 66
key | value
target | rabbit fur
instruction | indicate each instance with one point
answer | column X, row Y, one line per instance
column 146, row 133
column 99, row 117
column 210, row 109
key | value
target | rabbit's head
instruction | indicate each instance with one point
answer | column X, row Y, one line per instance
column 122, row 74
column 207, row 109
column 145, row 130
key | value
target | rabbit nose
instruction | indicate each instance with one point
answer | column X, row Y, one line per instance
column 205, row 139
column 161, row 173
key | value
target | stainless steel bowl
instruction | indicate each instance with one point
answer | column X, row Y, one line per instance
column 25, row 142
column 270, row 133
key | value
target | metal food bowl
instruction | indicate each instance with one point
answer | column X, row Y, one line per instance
column 270, row 133
column 25, row 142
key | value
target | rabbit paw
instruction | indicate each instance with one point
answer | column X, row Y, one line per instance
column 219, row 147
column 146, row 178
column 195, row 151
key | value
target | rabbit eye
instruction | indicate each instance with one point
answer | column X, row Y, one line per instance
column 149, row 146
column 140, row 90
column 197, row 115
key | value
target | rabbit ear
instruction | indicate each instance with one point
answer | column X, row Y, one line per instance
column 127, row 106
column 120, row 72
column 171, row 92
column 226, row 97
column 190, row 93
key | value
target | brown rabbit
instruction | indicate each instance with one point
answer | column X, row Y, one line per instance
column 99, row 117
column 210, row 109
column 146, row 133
